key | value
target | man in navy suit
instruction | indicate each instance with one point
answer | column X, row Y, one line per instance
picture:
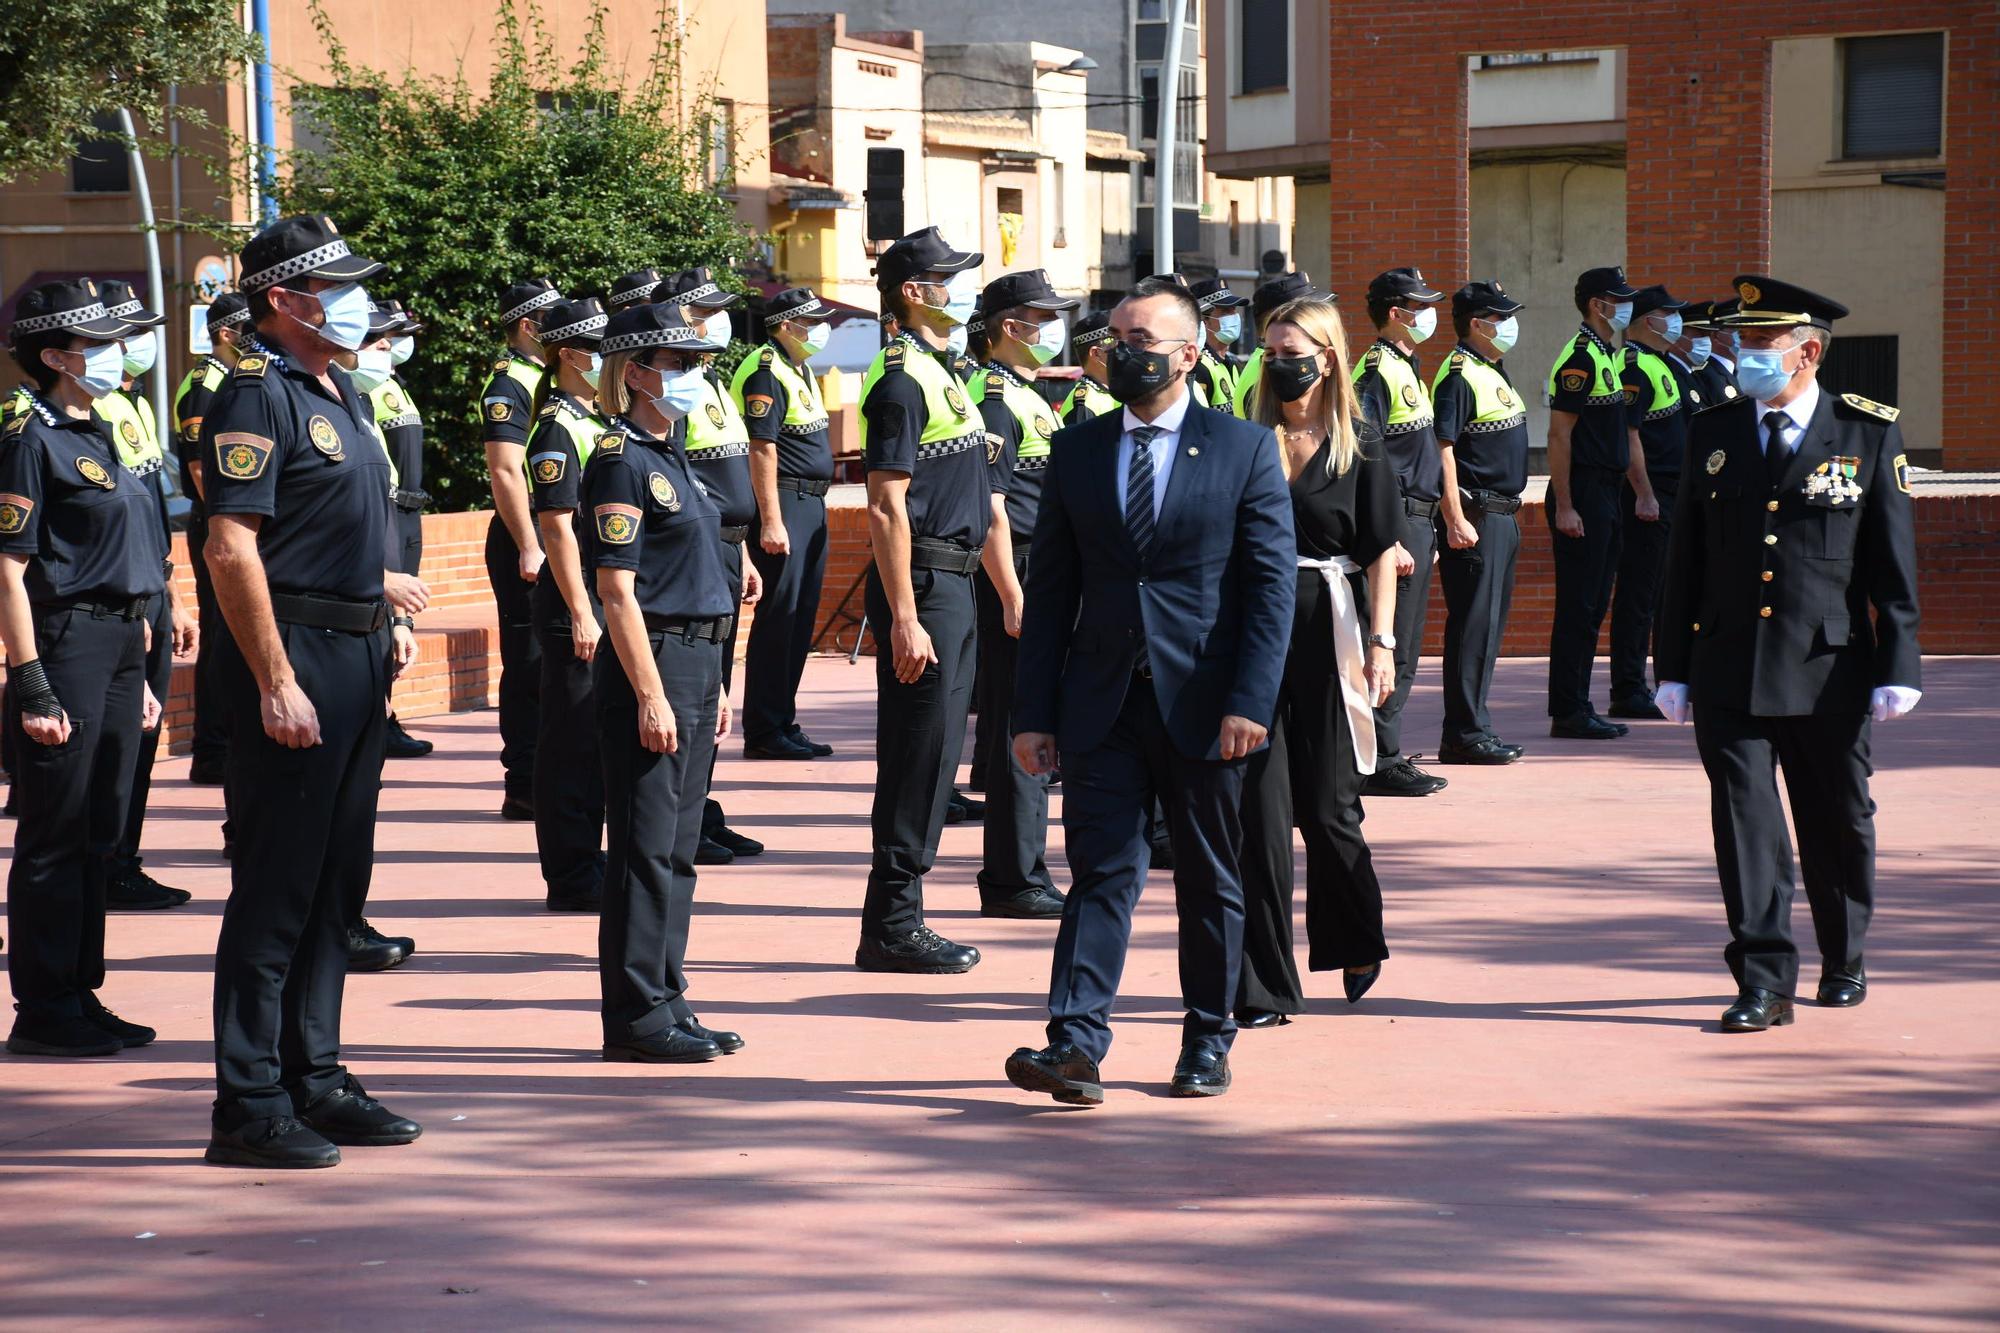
column 1159, row 612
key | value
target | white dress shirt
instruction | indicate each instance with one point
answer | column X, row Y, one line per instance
column 1798, row 415
column 1163, row 448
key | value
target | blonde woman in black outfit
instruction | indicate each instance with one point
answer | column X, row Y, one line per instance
column 1348, row 511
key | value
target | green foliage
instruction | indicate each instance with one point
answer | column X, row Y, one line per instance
column 64, row 61
column 460, row 194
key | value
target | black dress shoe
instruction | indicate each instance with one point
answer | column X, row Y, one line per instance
column 1756, row 1009
column 206, row 773
column 517, row 809
column 1485, row 750
column 62, row 1037
column 962, row 809
column 668, row 1046
column 1401, row 778
column 576, row 900
column 1201, row 1074
column 709, row 852
column 1356, row 984
column 1036, row 904
column 402, row 745
column 1584, row 727
column 922, row 950
column 1638, row 706
column 131, row 889
column 368, row 950
column 1618, row 727
column 349, row 1115
column 277, row 1142
column 1261, row 1018
column 1842, row 991
column 1509, row 748
column 1060, row 1070
column 778, row 747
column 129, row 1034
column 797, row 733
column 738, row 845
column 729, row 1043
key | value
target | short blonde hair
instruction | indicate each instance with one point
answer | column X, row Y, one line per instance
column 1320, row 322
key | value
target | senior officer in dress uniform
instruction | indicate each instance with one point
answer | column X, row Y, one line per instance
column 1388, row 382
column 302, row 546
column 1482, row 433
column 1588, row 452
column 931, row 522
column 514, row 556
column 1264, row 303
column 1090, row 341
column 791, row 469
column 1221, row 326
column 81, row 557
column 1797, row 524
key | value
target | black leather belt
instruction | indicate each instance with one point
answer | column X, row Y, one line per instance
column 97, row 609
column 410, row 501
column 947, row 556
column 1492, row 502
column 803, row 486
column 1420, row 508
column 711, row 631
column 335, row 613
column 736, row 535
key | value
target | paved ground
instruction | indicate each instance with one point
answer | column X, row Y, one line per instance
column 1531, row 1122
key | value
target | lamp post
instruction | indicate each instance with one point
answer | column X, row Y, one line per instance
column 1163, row 169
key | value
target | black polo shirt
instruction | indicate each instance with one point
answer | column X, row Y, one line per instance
column 805, row 452
column 1589, row 388
column 91, row 528
column 950, row 495
column 648, row 515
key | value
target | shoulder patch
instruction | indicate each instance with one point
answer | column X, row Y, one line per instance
column 241, row 455
column 1574, row 380
column 1874, row 409
column 252, row 364
column 548, row 409
column 14, row 511
column 766, row 355
column 757, row 405
column 500, row 364
column 1458, row 360
column 617, row 524
column 547, row 469
column 892, row 356
column 498, row 409
column 610, row 442
column 1902, row 466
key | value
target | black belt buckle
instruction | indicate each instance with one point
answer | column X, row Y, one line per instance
column 410, row 501
column 1420, row 508
column 737, row 535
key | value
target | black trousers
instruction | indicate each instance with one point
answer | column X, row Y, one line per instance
column 1585, row 568
column 1016, row 829
column 520, row 661
column 159, row 673
column 1306, row 779
column 1108, row 796
column 653, row 808
column 990, row 621
column 211, row 703
column 919, row 732
column 781, row 633
column 1642, row 569
column 712, row 816
column 410, row 529
column 569, row 772
column 1413, row 597
column 71, row 802
column 305, row 850
column 1478, row 585
column 1825, row 759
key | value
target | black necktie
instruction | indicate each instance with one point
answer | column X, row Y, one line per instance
column 1776, row 455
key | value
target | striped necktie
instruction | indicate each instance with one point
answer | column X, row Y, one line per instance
column 1139, row 488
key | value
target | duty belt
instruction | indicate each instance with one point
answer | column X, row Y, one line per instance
column 410, row 501
column 1420, row 508
column 335, row 613
column 950, row 557
column 711, row 631
column 803, row 486
column 737, row 535
column 100, row 608
column 1492, row 502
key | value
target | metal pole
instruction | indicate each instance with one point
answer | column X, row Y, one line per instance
column 155, row 289
column 260, row 16
column 1163, row 169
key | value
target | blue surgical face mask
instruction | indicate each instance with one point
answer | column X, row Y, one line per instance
column 816, row 338
column 596, row 365
column 401, row 349
column 1621, row 316
column 1228, row 328
column 371, row 368
column 1672, row 332
column 681, row 392
column 1761, row 373
column 142, row 349
column 961, row 296
column 1699, row 348
column 103, row 369
column 1425, row 324
column 346, row 308
column 1048, row 343
column 955, row 341
column 1504, row 334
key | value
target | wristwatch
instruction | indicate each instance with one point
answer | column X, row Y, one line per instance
column 1380, row 641
column 403, row 622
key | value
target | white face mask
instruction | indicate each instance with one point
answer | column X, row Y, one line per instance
column 1048, row 343
column 1228, row 328
column 103, row 369
column 719, row 328
column 590, row 375
column 955, row 341
column 961, row 296
column 401, row 349
column 1504, row 334
column 371, row 368
column 1424, row 324
column 142, row 349
column 816, row 339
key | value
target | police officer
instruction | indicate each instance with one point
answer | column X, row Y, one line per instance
column 656, row 558
column 791, row 469
column 1024, row 333
column 1796, row 525
column 1482, row 433
column 717, row 444
column 302, row 546
column 569, row 773
column 1389, row 384
column 1711, row 352
column 1264, row 303
column 930, row 516
column 630, row 289
column 1657, row 409
column 128, row 419
column 1221, row 325
column 1588, row 453
column 81, row 559
column 513, row 555
column 1090, row 341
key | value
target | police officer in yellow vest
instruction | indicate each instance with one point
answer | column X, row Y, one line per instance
column 513, row 552
column 127, row 416
column 1221, row 326
column 1264, row 303
column 931, row 523
column 1090, row 341
column 1024, row 332
column 1657, row 407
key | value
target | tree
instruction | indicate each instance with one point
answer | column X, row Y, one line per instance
column 63, row 63
column 576, row 174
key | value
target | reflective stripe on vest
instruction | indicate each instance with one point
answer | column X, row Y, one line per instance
column 1409, row 404
column 949, row 416
column 1033, row 413
column 1495, row 404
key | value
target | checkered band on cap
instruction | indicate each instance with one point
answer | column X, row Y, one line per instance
column 677, row 336
column 811, row 307
column 589, row 324
column 233, row 317
column 291, row 268
column 638, row 293
column 696, row 293
column 131, row 307
column 1090, row 336
column 1213, row 299
column 62, row 319
column 531, row 305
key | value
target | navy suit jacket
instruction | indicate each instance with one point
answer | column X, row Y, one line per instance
column 1212, row 597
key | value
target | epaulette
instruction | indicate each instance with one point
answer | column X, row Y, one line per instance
column 893, row 354
column 1372, row 357
column 1458, row 360
column 1631, row 355
column 765, row 355
column 610, row 442
column 15, row 425
column 548, row 409
column 1722, row 403
column 1881, row 411
column 253, row 365
column 500, row 364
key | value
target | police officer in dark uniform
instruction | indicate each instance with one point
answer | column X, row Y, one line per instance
column 1264, row 303
column 930, row 516
column 1657, row 407
column 1481, row 424
column 513, row 555
column 1221, row 326
column 791, row 469
column 1090, row 341
column 1711, row 353
column 81, row 559
column 1389, row 384
column 656, row 558
column 302, row 547
column 630, row 289
column 1794, row 521
column 1588, row 452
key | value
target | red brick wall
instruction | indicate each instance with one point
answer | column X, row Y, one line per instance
column 1697, row 146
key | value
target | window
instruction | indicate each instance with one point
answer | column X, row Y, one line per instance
column 1153, row 11
column 722, row 143
column 1235, row 228
column 1892, row 95
column 1010, row 205
column 312, row 129
column 1265, row 42
column 1505, row 59
column 1149, row 105
column 1061, row 176
column 100, row 166
column 1864, row 364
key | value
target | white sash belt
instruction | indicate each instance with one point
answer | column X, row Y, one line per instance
column 1349, row 659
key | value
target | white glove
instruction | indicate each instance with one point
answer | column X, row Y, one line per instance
column 1672, row 699
column 1890, row 702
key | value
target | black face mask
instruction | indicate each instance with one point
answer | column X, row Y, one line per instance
column 1291, row 377
column 1131, row 374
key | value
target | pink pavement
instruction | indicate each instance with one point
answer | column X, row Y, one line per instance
column 1531, row 1122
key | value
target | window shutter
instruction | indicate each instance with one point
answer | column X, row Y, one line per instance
column 1894, row 96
